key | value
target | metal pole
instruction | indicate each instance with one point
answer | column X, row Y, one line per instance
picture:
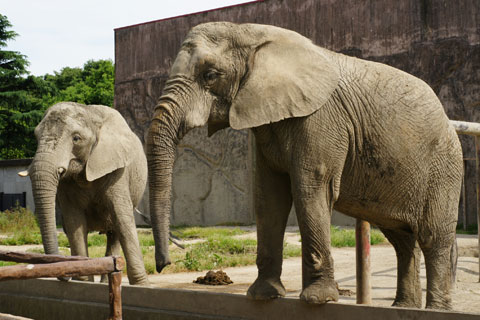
column 362, row 237
column 477, row 156
column 115, row 295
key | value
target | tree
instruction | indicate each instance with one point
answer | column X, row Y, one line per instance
column 19, row 111
column 24, row 98
column 91, row 85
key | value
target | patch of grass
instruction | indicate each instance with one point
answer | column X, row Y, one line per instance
column 217, row 251
column 17, row 219
column 7, row 263
column 20, row 226
column 290, row 250
column 204, row 232
column 146, row 239
column 346, row 237
column 471, row 229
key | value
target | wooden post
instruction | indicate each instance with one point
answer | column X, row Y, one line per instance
column 362, row 237
column 115, row 295
column 477, row 156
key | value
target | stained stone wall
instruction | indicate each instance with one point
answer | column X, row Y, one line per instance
column 436, row 40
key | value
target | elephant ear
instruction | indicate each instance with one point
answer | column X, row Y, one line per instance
column 114, row 146
column 286, row 78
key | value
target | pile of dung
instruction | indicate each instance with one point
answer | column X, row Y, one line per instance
column 213, row 278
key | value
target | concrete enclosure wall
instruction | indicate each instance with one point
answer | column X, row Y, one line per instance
column 41, row 299
column 12, row 183
column 435, row 40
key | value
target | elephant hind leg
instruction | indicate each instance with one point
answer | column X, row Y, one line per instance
column 436, row 237
column 409, row 290
column 439, row 248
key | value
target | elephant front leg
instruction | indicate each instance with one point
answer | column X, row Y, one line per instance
column 273, row 202
column 125, row 227
column 313, row 205
column 113, row 249
column 75, row 224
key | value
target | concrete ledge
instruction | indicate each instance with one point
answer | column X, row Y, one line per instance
column 52, row 299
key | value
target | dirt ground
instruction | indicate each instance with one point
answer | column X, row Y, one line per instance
column 466, row 297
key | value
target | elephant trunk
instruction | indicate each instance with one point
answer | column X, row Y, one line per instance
column 162, row 139
column 44, row 177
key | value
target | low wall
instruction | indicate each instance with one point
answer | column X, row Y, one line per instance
column 52, row 299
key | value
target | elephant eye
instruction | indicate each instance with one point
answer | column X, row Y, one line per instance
column 210, row 76
column 76, row 138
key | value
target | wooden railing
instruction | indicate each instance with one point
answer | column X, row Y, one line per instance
column 54, row 266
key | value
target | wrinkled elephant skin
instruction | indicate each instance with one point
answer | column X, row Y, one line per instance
column 331, row 131
column 90, row 161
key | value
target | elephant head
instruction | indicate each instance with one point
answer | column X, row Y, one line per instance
column 242, row 76
column 77, row 142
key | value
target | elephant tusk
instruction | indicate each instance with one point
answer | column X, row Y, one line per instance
column 171, row 236
column 60, row 170
column 23, row 173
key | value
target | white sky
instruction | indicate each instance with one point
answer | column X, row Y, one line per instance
column 63, row 33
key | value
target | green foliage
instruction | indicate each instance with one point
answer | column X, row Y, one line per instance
column 24, row 98
column 346, row 237
column 20, row 226
column 471, row 229
column 17, row 218
column 91, row 85
column 290, row 251
column 20, row 111
column 205, row 232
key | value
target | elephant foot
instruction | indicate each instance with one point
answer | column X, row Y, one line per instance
column 407, row 303
column 84, row 278
column 437, row 300
column 139, row 282
column 439, row 305
column 320, row 292
column 104, row 278
column 65, row 279
column 265, row 289
column 144, row 283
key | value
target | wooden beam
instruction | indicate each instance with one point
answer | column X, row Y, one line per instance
column 63, row 269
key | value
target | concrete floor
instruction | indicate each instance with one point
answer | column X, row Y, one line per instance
column 383, row 262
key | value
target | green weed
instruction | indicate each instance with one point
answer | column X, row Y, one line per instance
column 346, row 237
column 205, row 232
column 471, row 229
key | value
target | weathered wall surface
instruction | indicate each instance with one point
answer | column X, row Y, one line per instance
column 12, row 183
column 436, row 40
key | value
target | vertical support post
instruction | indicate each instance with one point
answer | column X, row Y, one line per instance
column 362, row 237
column 477, row 165
column 115, row 295
column 464, row 199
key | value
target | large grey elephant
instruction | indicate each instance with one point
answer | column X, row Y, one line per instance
column 331, row 131
column 90, row 160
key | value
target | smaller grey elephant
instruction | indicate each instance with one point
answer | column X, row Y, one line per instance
column 94, row 166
